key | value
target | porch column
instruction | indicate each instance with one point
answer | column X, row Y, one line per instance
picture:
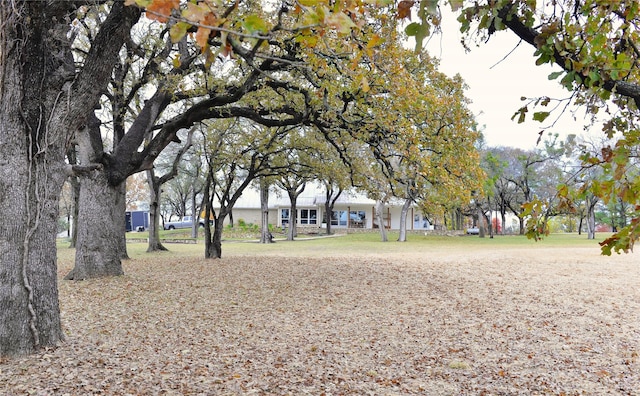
column 388, row 218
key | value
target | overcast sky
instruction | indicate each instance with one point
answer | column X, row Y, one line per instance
column 496, row 85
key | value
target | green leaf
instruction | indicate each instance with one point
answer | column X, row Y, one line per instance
column 431, row 6
column 521, row 114
column 567, row 80
column 594, row 76
column 555, row 75
column 379, row 3
column 341, row 22
column 540, row 116
column 412, row 29
column 178, row 31
column 419, row 31
column 254, row 24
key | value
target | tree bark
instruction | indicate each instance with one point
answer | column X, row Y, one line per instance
column 213, row 248
column 329, row 203
column 265, row 233
column 154, row 213
column 591, row 217
column 481, row 228
column 403, row 220
column 30, row 186
column 31, row 177
column 101, row 233
column 195, row 214
column 328, row 209
column 292, row 231
column 380, row 217
column 294, row 191
column 29, row 311
column 43, row 103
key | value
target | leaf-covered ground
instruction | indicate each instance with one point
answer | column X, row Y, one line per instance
column 530, row 322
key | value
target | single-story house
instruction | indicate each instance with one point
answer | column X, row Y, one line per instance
column 351, row 211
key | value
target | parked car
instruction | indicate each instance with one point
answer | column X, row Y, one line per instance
column 185, row 222
column 473, row 231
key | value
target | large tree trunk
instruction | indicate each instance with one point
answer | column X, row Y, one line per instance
column 43, row 102
column 29, row 312
column 101, row 243
column 213, row 245
column 32, row 149
column 403, row 220
column 101, row 229
column 30, row 186
column 154, row 213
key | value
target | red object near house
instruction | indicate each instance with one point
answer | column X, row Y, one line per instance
column 603, row 228
column 497, row 226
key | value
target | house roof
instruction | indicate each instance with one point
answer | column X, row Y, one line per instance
column 312, row 196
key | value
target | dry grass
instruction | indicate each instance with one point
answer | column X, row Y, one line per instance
column 437, row 321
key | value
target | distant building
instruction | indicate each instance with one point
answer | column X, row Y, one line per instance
column 351, row 211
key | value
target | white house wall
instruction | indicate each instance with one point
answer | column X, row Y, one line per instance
column 248, row 209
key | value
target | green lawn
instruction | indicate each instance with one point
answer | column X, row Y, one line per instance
column 367, row 243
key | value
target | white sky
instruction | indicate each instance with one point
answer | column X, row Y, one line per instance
column 496, row 85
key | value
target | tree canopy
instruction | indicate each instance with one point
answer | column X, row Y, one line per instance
column 595, row 44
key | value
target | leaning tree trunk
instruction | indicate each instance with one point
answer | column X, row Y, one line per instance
column 101, row 228
column 380, row 217
column 403, row 220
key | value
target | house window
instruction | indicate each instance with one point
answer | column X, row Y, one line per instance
column 417, row 223
column 357, row 218
column 308, row 216
column 284, row 217
column 420, row 222
column 339, row 218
